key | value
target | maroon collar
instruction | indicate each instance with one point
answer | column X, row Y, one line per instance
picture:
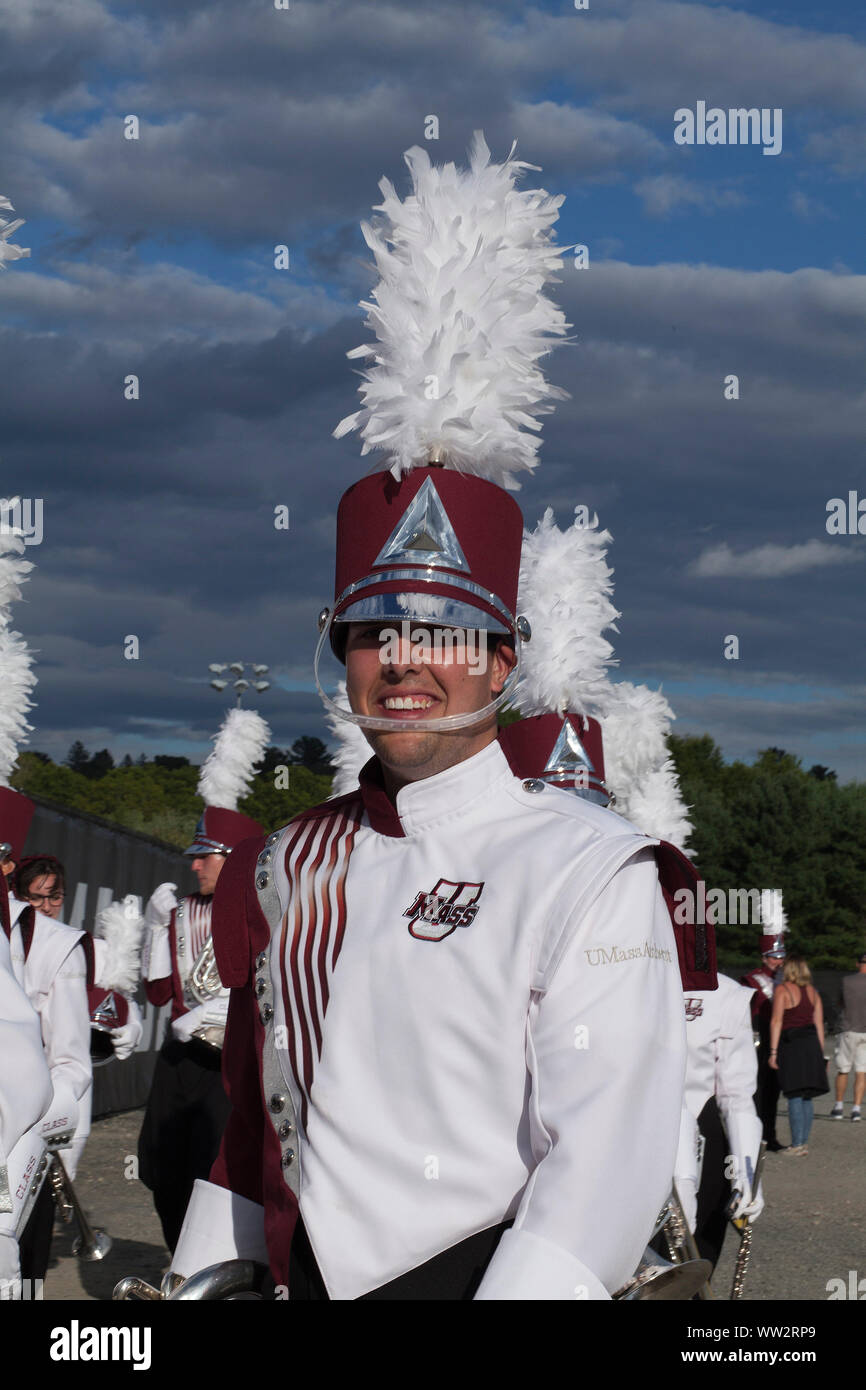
column 380, row 808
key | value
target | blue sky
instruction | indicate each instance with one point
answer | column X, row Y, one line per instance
column 261, row 127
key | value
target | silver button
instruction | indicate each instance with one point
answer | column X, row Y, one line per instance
column 285, row 1129
column 288, row 1158
column 267, row 1013
column 265, row 857
column 278, row 1101
column 260, row 988
column 532, row 784
column 262, row 881
column 261, row 960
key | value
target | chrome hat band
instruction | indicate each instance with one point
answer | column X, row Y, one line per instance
column 202, row 847
column 430, row 575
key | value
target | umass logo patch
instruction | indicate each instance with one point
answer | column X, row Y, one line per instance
column 435, row 915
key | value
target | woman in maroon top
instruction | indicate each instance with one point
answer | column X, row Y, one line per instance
column 797, row 1047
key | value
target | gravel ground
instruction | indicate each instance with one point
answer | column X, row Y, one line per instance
column 813, row 1228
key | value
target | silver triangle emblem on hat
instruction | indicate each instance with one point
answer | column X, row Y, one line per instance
column 106, row 1013
column 424, row 535
column 568, row 752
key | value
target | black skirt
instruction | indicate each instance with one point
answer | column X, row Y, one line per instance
column 802, row 1069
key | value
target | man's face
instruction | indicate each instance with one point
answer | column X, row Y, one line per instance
column 45, row 895
column 772, row 963
column 7, row 866
column 406, row 678
column 207, row 869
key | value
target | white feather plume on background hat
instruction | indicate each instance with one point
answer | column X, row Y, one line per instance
column 227, row 771
column 638, row 767
column 352, row 749
column 565, row 592
column 8, row 250
column 18, row 679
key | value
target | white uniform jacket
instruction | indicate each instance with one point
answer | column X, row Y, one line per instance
column 178, row 930
column 722, row 1062
column 25, row 1082
column 474, row 1005
column 54, row 978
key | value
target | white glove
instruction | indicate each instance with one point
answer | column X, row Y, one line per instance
column 9, row 1266
column 126, row 1039
column 213, row 1013
column 743, row 1206
column 163, row 901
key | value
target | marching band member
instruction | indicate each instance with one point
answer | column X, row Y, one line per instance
column 455, row 1025
column 52, row 971
column 762, row 983
column 43, row 953
column 25, row 1088
column 720, row 1132
column 187, row 1109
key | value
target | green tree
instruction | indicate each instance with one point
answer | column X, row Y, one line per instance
column 311, row 753
column 78, row 757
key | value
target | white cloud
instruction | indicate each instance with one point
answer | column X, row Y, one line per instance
column 664, row 192
column 770, row 561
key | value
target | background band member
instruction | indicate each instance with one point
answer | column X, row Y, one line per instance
column 25, row 1088
column 188, row 1108
column 718, row 1105
column 762, row 982
column 51, row 967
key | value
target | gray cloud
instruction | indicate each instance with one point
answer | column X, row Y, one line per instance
column 770, row 561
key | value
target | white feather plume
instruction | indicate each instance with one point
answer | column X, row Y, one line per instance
column 227, row 772
column 352, row 749
column 16, row 662
column 774, row 919
column 120, row 930
column 460, row 319
column 637, row 765
column 8, row 251
column 565, row 592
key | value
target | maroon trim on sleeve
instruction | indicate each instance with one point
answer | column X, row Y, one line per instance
column 696, row 942
column 4, row 906
column 234, row 904
column 249, row 1158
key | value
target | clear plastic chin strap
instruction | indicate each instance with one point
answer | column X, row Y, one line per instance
column 442, row 725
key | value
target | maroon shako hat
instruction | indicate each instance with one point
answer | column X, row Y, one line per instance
column 225, row 778
column 219, row 830
column 16, row 813
column 437, row 546
column 561, row 750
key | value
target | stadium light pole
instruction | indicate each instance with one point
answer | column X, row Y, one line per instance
column 239, row 683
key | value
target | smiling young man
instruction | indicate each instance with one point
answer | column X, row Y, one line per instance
column 455, row 1044
column 429, row 673
column 455, row 1047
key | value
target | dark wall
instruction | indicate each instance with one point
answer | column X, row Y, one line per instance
column 105, row 862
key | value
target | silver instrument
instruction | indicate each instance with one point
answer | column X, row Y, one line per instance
column 744, row 1226
column 231, row 1280
column 678, row 1279
column 205, row 984
column 90, row 1243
